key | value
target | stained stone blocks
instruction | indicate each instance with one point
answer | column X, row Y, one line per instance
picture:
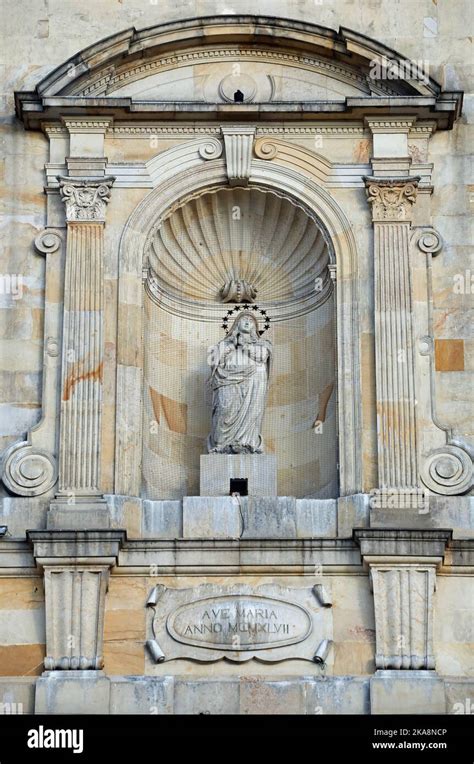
column 387, row 692
column 17, row 695
column 338, row 695
column 211, row 517
column 245, row 516
column 217, row 471
column 72, row 692
column 407, row 692
column 141, row 695
column 124, row 409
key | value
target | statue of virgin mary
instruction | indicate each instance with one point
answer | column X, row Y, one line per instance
column 239, row 379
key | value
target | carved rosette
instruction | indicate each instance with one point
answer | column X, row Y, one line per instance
column 391, row 198
column 85, row 199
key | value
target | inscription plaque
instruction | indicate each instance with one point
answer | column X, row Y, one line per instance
column 254, row 623
column 269, row 623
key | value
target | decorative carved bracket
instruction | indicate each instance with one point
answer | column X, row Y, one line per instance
column 76, row 571
column 238, row 142
column 403, row 592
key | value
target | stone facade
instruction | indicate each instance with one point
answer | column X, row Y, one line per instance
column 173, row 171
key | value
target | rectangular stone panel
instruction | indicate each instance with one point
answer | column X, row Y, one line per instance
column 407, row 692
column 217, row 470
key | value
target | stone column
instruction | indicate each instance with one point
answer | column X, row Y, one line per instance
column 391, row 200
column 85, row 200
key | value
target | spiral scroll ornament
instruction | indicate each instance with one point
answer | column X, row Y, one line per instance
column 47, row 241
column 28, row 471
column 265, row 149
column 448, row 471
column 211, row 149
column 428, row 240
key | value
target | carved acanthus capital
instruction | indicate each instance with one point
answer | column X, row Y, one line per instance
column 85, row 198
column 391, row 198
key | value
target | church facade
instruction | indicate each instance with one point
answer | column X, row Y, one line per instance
column 237, row 453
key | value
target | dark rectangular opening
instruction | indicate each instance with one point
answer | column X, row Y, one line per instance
column 239, row 485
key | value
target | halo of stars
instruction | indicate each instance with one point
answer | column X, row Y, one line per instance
column 239, row 308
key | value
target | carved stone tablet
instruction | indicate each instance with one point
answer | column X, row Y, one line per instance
column 208, row 623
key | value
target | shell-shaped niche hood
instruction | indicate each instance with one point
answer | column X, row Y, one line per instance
column 238, row 236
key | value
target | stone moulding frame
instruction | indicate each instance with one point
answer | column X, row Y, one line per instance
column 190, row 174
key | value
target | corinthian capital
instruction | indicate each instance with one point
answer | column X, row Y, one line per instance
column 85, row 198
column 391, row 198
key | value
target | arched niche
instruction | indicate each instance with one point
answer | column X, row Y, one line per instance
column 174, row 192
column 276, row 248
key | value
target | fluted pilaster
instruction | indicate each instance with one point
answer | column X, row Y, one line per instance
column 391, row 201
column 83, row 336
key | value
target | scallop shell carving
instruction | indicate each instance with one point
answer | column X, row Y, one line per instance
column 238, row 235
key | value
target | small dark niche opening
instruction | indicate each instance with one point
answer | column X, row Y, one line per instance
column 239, row 485
column 238, row 96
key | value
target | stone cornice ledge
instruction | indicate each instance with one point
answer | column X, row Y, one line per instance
column 239, row 557
column 85, row 547
column 34, row 110
column 402, row 544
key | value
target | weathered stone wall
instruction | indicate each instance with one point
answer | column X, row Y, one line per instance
column 399, row 585
column 38, row 37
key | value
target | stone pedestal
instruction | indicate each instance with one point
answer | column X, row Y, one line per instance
column 218, row 470
column 211, row 517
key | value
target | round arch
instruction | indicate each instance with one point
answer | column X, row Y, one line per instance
column 199, row 177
